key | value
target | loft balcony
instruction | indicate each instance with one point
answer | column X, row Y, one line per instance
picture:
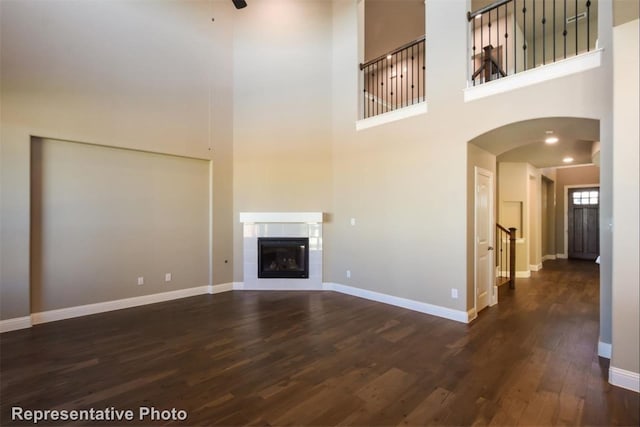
column 515, row 43
column 393, row 85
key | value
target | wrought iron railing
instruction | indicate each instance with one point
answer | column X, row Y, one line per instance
column 394, row 80
column 505, row 256
column 510, row 36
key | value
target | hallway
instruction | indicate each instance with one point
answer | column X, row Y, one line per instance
column 323, row 358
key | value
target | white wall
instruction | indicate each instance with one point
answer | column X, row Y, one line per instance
column 626, row 202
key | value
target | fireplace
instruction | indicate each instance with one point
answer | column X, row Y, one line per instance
column 283, row 257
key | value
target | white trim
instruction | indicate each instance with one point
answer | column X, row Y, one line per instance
column 566, row 213
column 604, row 350
column 238, row 286
column 422, row 307
column 535, row 267
column 543, row 73
column 472, row 314
column 283, row 285
column 14, row 324
column 493, row 298
column 223, row 287
column 523, row 274
column 548, row 257
column 304, row 217
column 101, row 307
column 392, row 116
column 625, row 379
column 561, row 256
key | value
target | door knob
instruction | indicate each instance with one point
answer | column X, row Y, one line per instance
column 490, row 248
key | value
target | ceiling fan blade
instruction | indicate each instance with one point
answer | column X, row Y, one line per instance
column 239, row 4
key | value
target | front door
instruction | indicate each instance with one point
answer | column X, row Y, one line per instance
column 583, row 227
column 484, row 236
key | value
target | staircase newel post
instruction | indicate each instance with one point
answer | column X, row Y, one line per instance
column 512, row 258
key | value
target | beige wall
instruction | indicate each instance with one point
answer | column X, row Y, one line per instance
column 548, row 217
column 515, row 207
column 390, row 24
column 87, row 72
column 626, row 251
column 571, row 176
column 282, row 110
column 102, row 217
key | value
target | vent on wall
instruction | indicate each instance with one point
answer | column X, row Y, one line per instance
column 577, row 17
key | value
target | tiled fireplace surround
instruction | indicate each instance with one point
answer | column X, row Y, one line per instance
column 281, row 224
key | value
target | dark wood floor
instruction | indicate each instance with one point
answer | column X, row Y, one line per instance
column 322, row 358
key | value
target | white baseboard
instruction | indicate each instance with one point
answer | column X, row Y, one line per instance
column 523, row 274
column 549, row 257
column 625, row 379
column 535, row 267
column 604, row 350
column 101, row 307
column 561, row 256
column 223, row 287
column 15, row 324
column 238, row 286
column 422, row 307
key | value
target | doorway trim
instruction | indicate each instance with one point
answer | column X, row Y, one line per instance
column 565, row 254
column 493, row 300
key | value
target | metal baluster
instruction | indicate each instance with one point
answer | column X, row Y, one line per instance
column 473, row 51
column 481, row 43
column 588, row 25
column 506, row 40
column 413, row 73
column 564, row 33
column 533, row 21
column 499, row 55
column 554, row 30
column 544, row 32
column 524, row 34
column 576, row 24
column 515, row 38
column 365, row 104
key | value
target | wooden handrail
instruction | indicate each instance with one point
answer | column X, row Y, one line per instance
column 505, row 229
column 394, row 51
column 506, row 261
column 471, row 15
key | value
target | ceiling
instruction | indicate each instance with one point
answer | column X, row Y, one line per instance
column 524, row 141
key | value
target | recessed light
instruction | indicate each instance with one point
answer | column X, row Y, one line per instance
column 388, row 56
column 568, row 159
column 551, row 140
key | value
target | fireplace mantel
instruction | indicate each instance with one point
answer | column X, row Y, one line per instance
column 283, row 217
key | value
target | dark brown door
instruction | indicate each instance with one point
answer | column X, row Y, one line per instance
column 583, row 218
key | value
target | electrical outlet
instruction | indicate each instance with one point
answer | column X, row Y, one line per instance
column 167, row 277
column 140, row 280
column 348, row 274
column 454, row 293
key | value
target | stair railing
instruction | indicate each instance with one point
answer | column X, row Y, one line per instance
column 506, row 256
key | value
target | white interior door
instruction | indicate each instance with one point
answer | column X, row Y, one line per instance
column 484, row 236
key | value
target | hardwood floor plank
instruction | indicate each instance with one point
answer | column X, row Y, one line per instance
column 324, row 359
